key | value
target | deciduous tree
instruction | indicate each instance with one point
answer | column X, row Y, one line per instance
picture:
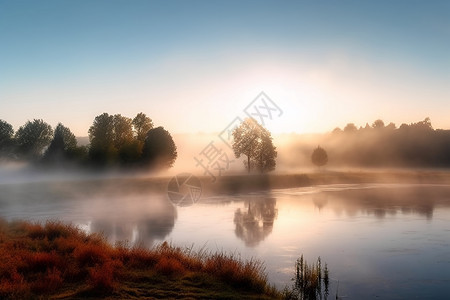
column 6, row 139
column 319, row 157
column 32, row 138
column 141, row 125
column 63, row 146
column 255, row 142
column 160, row 151
column 101, row 137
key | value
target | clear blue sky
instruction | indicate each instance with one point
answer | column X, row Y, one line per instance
column 194, row 65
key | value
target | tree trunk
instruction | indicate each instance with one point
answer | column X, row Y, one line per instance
column 248, row 163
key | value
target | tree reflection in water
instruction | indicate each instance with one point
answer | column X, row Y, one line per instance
column 138, row 227
column 383, row 201
column 255, row 222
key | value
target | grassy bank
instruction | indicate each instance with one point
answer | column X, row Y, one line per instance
column 59, row 261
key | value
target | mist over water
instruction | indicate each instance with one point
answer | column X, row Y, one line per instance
column 382, row 231
column 100, row 104
column 381, row 240
column 408, row 147
column 121, row 209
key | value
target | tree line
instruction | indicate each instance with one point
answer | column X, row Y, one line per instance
column 410, row 145
column 414, row 145
column 115, row 140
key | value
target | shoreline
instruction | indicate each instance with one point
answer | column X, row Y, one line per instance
column 237, row 183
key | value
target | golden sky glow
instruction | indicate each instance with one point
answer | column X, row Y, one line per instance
column 194, row 69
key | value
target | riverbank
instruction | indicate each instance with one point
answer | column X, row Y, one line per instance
column 60, row 261
column 226, row 184
column 250, row 183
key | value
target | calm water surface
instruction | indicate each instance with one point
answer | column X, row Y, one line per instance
column 380, row 241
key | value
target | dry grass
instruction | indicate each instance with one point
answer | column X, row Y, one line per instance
column 60, row 260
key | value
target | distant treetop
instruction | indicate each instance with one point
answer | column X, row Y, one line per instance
column 319, row 157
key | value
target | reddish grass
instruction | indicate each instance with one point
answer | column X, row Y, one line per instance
column 41, row 259
column 246, row 275
column 104, row 277
column 169, row 266
column 90, row 255
column 48, row 282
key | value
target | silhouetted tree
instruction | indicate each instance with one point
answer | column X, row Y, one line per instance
column 255, row 142
column 246, row 140
column 127, row 147
column 337, row 130
column 411, row 145
column 319, row 157
column 122, row 131
column 63, row 146
column 424, row 125
column 265, row 153
column 6, row 139
column 130, row 153
column 160, row 151
column 141, row 125
column 32, row 138
column 350, row 127
column 378, row 124
column 391, row 126
column 403, row 126
column 101, row 137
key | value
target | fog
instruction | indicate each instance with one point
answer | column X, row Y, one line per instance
column 122, row 209
column 409, row 147
column 293, row 153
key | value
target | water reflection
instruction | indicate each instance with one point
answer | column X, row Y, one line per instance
column 121, row 210
column 381, row 202
column 255, row 221
column 406, row 247
column 141, row 228
column 320, row 200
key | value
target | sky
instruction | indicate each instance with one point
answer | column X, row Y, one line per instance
column 193, row 66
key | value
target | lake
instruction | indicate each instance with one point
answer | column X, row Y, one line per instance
column 388, row 241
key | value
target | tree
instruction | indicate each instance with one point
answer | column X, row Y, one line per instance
column 141, row 125
column 336, row 131
column 63, row 146
column 255, row 142
column 246, row 140
column 6, row 139
column 391, row 126
column 122, row 131
column 266, row 154
column 319, row 157
column 128, row 149
column 101, row 137
column 32, row 138
column 424, row 125
column 378, row 124
column 160, row 151
column 350, row 127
